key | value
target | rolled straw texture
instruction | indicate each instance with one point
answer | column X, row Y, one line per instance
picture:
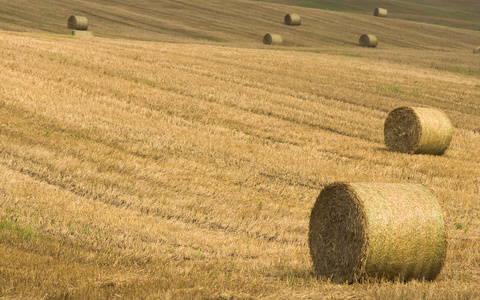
column 78, row 23
column 476, row 49
column 293, row 19
column 393, row 231
column 417, row 130
column 380, row 12
column 368, row 40
column 272, row 39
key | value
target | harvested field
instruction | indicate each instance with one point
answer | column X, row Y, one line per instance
column 150, row 169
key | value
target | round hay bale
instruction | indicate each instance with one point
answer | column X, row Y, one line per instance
column 78, row 23
column 368, row 40
column 272, row 39
column 377, row 230
column 417, row 130
column 476, row 49
column 380, row 12
column 293, row 19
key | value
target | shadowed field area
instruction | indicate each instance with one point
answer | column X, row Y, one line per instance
column 460, row 14
column 244, row 22
column 186, row 166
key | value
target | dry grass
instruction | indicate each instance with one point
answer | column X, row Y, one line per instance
column 171, row 170
column 162, row 170
column 82, row 33
column 460, row 14
column 239, row 22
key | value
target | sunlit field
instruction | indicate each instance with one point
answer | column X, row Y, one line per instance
column 147, row 169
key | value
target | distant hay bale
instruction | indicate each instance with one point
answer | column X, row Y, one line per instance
column 293, row 19
column 272, row 39
column 380, row 12
column 368, row 40
column 377, row 230
column 77, row 23
column 476, row 49
column 82, row 33
column 417, row 130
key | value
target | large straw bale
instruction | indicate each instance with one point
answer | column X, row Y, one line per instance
column 272, row 39
column 380, row 12
column 77, row 23
column 393, row 231
column 417, row 130
column 476, row 49
column 293, row 19
column 368, row 40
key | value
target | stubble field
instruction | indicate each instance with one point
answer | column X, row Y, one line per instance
column 151, row 170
